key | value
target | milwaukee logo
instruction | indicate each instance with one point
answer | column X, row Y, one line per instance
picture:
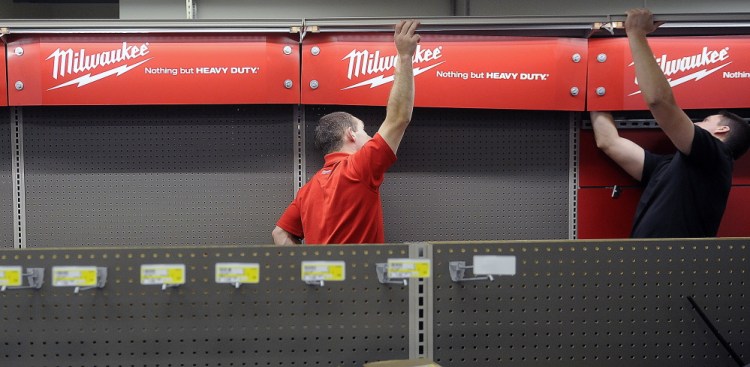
column 702, row 60
column 69, row 62
column 366, row 63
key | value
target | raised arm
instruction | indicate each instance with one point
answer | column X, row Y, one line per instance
column 654, row 85
column 628, row 155
column 401, row 99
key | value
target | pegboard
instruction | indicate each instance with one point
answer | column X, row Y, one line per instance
column 470, row 174
column 6, row 182
column 594, row 303
column 279, row 322
column 156, row 175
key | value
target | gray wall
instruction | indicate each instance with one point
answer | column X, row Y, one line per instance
column 255, row 9
column 244, row 9
column 10, row 9
column 615, row 7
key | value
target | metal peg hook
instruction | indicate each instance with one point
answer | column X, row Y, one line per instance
column 458, row 272
column 616, row 191
column 165, row 286
column 319, row 283
column 78, row 289
column 382, row 270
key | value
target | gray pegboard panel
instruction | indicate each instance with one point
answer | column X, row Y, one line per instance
column 590, row 303
column 6, row 181
column 156, row 175
column 470, row 174
column 279, row 322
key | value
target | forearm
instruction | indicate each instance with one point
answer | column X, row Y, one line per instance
column 401, row 99
column 624, row 152
column 651, row 80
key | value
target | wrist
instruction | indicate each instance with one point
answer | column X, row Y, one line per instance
column 636, row 33
column 404, row 57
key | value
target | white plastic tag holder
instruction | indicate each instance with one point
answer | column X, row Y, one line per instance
column 485, row 267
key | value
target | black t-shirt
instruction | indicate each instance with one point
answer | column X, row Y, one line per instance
column 685, row 196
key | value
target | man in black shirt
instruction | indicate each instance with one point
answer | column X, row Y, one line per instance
column 686, row 193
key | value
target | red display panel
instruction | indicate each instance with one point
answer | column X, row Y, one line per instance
column 450, row 71
column 602, row 216
column 705, row 72
column 150, row 69
column 4, row 80
column 735, row 222
column 596, row 169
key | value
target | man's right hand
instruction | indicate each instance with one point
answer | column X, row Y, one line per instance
column 640, row 22
column 405, row 39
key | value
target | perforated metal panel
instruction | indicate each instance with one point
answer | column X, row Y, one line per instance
column 470, row 174
column 595, row 304
column 6, row 181
column 279, row 322
column 156, row 175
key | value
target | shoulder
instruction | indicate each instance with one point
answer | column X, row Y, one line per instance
column 377, row 147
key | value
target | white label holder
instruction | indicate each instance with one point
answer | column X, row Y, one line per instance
column 485, row 266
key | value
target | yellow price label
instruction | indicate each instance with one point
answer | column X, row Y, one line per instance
column 409, row 268
column 162, row 274
column 243, row 273
column 74, row 276
column 10, row 276
column 323, row 270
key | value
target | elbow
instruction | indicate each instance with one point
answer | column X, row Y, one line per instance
column 654, row 104
column 278, row 235
column 282, row 237
column 660, row 101
column 602, row 145
column 603, row 142
column 404, row 120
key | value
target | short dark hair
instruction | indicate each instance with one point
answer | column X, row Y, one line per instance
column 738, row 137
column 331, row 129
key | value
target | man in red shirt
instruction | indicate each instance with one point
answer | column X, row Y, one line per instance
column 341, row 203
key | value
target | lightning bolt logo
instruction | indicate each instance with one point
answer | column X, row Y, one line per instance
column 698, row 75
column 380, row 79
column 88, row 78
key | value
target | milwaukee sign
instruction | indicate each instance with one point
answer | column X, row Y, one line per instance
column 704, row 72
column 91, row 70
column 690, row 67
column 366, row 63
column 449, row 71
column 76, row 62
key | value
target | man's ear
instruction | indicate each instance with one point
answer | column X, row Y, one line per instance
column 721, row 132
column 350, row 134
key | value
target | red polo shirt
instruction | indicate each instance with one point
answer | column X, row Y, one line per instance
column 341, row 203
